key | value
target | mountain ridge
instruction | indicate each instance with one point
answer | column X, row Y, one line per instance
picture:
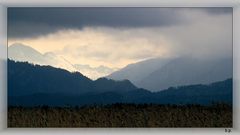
column 47, row 78
column 175, row 72
column 138, row 96
column 187, row 71
column 23, row 53
column 32, row 85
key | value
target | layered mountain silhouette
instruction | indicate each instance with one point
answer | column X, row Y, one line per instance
column 25, row 78
column 23, row 53
column 20, row 52
column 32, row 85
column 94, row 72
column 159, row 74
column 152, row 74
column 137, row 71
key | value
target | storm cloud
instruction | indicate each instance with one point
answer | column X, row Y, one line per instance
column 34, row 22
column 116, row 37
column 31, row 22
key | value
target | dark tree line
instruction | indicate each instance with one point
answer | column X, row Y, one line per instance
column 31, row 85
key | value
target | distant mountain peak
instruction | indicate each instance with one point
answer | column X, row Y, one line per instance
column 21, row 52
column 21, row 47
column 158, row 74
column 18, row 44
column 48, row 79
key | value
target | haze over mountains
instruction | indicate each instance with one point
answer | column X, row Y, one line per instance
column 158, row 74
column 188, row 71
column 25, row 79
column 137, row 71
column 20, row 52
column 152, row 74
column 159, row 47
column 32, row 85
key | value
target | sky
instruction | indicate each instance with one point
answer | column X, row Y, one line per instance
column 116, row 37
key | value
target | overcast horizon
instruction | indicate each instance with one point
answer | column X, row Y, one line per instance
column 116, row 37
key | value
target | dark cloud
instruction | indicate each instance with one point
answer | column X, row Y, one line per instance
column 33, row 22
column 29, row 29
column 28, row 22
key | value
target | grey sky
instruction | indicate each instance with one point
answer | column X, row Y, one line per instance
column 33, row 22
column 116, row 37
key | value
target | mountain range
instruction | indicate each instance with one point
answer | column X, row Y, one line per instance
column 158, row 74
column 25, row 78
column 152, row 74
column 33, row 85
column 23, row 53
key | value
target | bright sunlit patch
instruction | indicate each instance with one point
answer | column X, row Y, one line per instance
column 100, row 46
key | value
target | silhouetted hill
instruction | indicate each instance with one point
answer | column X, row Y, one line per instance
column 187, row 71
column 195, row 94
column 26, row 79
column 109, row 85
column 159, row 74
column 31, row 85
column 23, row 53
column 135, row 72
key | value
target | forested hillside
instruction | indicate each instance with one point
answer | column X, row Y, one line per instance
column 32, row 85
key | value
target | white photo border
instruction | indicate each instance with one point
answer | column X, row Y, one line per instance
column 4, row 4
